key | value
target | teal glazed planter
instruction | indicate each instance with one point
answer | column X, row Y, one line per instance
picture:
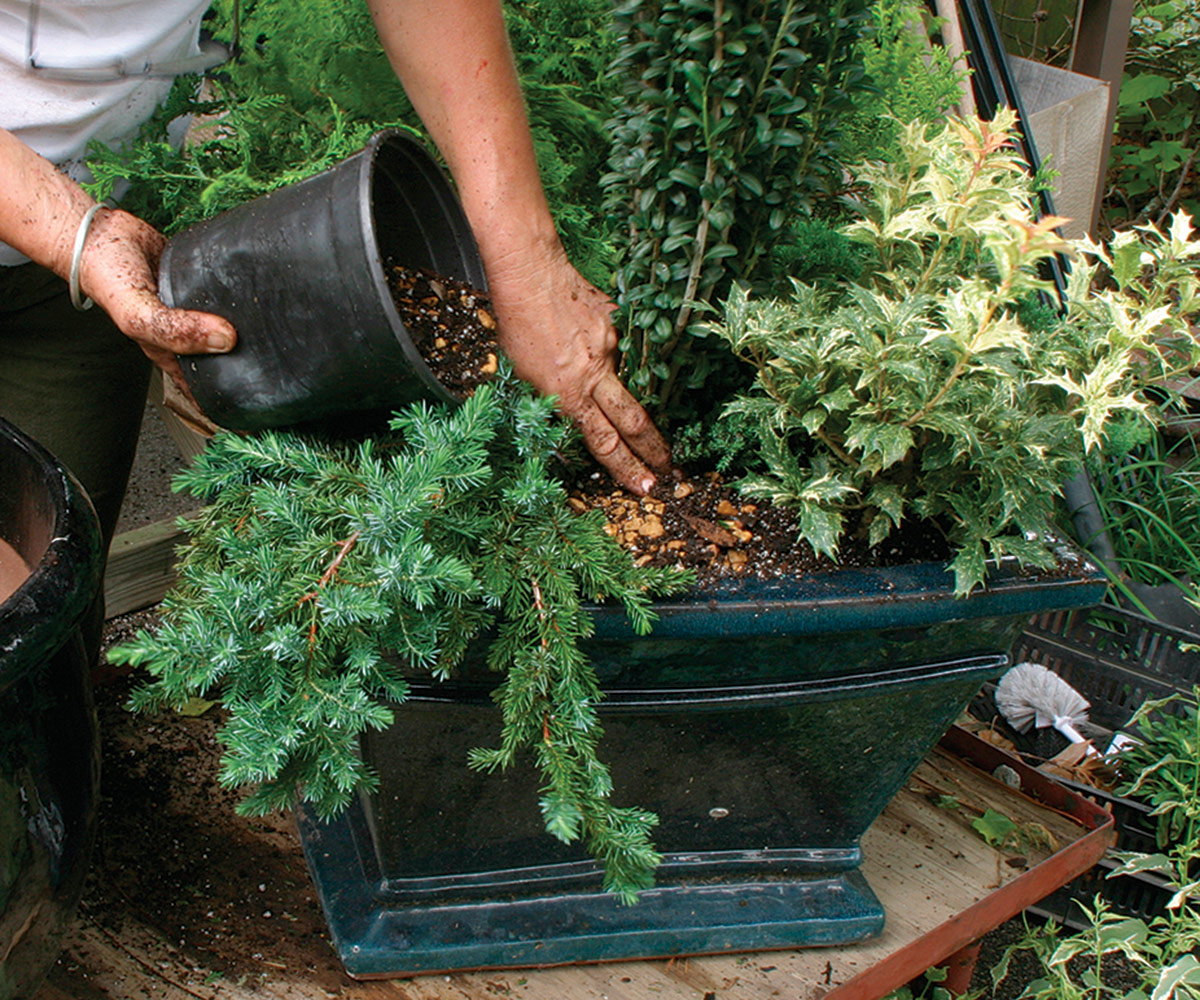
column 767, row 724
column 49, row 747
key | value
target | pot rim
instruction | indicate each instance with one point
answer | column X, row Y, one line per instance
column 43, row 612
column 451, row 213
column 863, row 598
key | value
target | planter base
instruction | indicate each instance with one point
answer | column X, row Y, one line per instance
column 376, row 936
column 763, row 791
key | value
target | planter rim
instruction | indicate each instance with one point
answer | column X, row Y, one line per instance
column 858, row 598
column 62, row 584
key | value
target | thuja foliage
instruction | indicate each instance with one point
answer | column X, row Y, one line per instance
column 308, row 86
column 723, row 137
column 321, row 575
column 915, row 392
column 311, row 83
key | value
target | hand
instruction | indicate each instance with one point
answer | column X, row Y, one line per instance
column 558, row 331
column 119, row 271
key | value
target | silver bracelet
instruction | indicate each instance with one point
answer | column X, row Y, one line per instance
column 81, row 235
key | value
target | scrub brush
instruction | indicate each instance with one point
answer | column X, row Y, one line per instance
column 1029, row 694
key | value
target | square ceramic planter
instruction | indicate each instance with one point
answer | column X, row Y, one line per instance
column 767, row 725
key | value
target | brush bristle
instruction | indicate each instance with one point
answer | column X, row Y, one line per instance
column 1030, row 694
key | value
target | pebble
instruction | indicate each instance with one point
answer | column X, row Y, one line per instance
column 651, row 528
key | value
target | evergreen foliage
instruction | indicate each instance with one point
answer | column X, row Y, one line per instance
column 906, row 78
column 724, row 136
column 916, row 392
column 322, row 574
column 311, row 84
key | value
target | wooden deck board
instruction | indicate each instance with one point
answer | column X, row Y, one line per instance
column 141, row 567
column 925, row 862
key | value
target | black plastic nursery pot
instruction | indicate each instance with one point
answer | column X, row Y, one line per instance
column 49, row 748
column 768, row 726
column 300, row 273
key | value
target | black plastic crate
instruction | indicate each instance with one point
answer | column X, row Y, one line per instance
column 1117, row 660
column 1141, row 894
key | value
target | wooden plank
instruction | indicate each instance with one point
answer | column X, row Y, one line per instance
column 925, row 862
column 189, row 437
column 141, row 567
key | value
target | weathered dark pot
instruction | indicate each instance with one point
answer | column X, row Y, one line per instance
column 768, row 727
column 49, row 749
column 300, row 274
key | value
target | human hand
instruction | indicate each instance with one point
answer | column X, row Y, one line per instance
column 558, row 331
column 118, row 270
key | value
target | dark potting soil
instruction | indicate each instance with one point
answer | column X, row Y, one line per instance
column 698, row 522
column 451, row 324
column 702, row 523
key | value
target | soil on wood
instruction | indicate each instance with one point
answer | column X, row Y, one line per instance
column 231, row 893
column 451, row 324
column 702, row 523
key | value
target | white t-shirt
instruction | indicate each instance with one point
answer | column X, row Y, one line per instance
column 73, row 71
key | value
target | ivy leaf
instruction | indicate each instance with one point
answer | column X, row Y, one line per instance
column 1143, row 88
column 994, row 827
column 1142, row 863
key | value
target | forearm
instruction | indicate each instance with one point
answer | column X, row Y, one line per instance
column 40, row 208
column 40, row 213
column 454, row 60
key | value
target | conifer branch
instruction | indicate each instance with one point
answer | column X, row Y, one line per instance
column 454, row 528
column 331, row 570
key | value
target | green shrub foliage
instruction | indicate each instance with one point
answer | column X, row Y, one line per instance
column 915, row 392
column 1153, row 170
column 322, row 573
column 906, row 78
column 724, row 137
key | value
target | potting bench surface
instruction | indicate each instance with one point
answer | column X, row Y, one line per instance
column 941, row 885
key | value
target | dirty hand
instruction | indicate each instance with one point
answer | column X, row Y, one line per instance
column 119, row 272
column 558, row 331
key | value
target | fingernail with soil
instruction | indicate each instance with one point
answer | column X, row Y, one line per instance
column 217, row 342
column 647, row 484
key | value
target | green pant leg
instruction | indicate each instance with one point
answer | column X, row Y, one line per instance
column 73, row 382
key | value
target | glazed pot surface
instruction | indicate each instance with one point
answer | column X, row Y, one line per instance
column 767, row 728
column 49, row 748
